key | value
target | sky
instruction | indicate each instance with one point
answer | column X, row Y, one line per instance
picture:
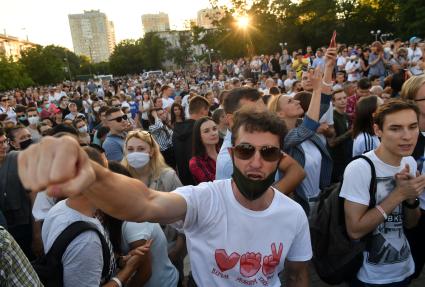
column 46, row 21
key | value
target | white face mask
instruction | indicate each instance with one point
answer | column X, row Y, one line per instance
column 96, row 109
column 138, row 159
column 33, row 120
column 83, row 129
column 129, row 116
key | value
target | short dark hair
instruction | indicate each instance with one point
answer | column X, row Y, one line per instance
column 94, row 155
column 274, row 91
column 20, row 109
column 373, row 78
column 393, row 106
column 232, row 102
column 150, row 117
column 253, row 120
column 197, row 103
column 103, row 109
column 304, row 98
column 198, row 148
column 217, row 114
column 112, row 110
column 364, row 84
column 61, row 129
column 31, row 109
column 11, row 132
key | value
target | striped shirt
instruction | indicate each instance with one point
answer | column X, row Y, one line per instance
column 162, row 134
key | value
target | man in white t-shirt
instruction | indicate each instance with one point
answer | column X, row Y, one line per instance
column 388, row 258
column 239, row 231
column 353, row 69
column 166, row 92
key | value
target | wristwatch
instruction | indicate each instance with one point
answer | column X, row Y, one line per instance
column 411, row 205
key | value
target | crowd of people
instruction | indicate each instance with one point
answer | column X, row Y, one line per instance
column 225, row 164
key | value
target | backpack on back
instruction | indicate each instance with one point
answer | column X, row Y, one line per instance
column 336, row 257
column 49, row 267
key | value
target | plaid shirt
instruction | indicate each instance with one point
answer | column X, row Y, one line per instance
column 351, row 106
column 162, row 134
column 15, row 269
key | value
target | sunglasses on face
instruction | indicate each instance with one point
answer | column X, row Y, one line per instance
column 119, row 119
column 246, row 151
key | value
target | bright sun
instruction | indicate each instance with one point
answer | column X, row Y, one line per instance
column 243, row 21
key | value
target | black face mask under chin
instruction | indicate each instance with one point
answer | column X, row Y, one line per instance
column 252, row 189
column 26, row 143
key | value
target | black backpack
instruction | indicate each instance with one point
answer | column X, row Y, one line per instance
column 336, row 257
column 49, row 267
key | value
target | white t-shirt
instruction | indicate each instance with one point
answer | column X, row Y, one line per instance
column 389, row 259
column 42, row 204
column 312, row 167
column 163, row 271
column 341, row 61
column 166, row 103
column 415, row 56
column 364, row 142
column 327, row 118
column 223, row 237
column 349, row 67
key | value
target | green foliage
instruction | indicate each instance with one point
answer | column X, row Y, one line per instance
column 12, row 75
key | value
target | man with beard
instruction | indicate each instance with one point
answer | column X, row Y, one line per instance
column 239, row 230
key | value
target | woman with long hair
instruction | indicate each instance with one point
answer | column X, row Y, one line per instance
column 177, row 114
column 205, row 140
column 145, row 162
column 363, row 134
column 302, row 142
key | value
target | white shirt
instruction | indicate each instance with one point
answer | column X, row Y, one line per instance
column 327, row 118
column 415, row 56
column 389, row 259
column 341, row 61
column 353, row 65
column 312, row 167
column 364, row 142
column 166, row 103
column 221, row 233
column 288, row 84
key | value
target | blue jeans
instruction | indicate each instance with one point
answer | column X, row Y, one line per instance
column 357, row 283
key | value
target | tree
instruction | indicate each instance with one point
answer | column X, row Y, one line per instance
column 181, row 54
column 13, row 75
column 127, row 58
column 45, row 65
column 153, row 51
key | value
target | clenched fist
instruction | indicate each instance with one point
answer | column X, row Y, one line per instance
column 58, row 165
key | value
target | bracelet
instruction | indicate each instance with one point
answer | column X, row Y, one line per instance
column 382, row 211
column 411, row 205
column 327, row 84
column 116, row 280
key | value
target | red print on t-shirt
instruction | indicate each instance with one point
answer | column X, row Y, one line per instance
column 224, row 261
column 272, row 261
column 250, row 262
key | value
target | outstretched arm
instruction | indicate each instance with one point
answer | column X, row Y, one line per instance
column 64, row 169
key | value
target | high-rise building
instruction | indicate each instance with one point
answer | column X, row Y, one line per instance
column 93, row 35
column 155, row 22
column 206, row 17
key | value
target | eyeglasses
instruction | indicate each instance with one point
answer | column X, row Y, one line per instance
column 119, row 119
column 246, row 151
column 4, row 100
column 420, row 100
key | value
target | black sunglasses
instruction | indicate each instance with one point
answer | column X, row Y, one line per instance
column 246, row 151
column 119, row 119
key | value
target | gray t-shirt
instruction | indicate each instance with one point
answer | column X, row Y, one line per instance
column 163, row 271
column 83, row 259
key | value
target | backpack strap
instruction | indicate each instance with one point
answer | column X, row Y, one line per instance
column 69, row 234
column 372, row 186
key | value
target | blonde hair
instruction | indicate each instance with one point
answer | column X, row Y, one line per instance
column 411, row 87
column 273, row 104
column 156, row 163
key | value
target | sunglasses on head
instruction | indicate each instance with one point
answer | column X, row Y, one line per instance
column 119, row 119
column 246, row 151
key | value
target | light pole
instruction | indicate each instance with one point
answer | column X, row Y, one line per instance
column 376, row 34
column 69, row 69
column 283, row 45
column 209, row 51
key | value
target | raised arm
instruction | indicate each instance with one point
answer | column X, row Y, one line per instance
column 64, row 169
